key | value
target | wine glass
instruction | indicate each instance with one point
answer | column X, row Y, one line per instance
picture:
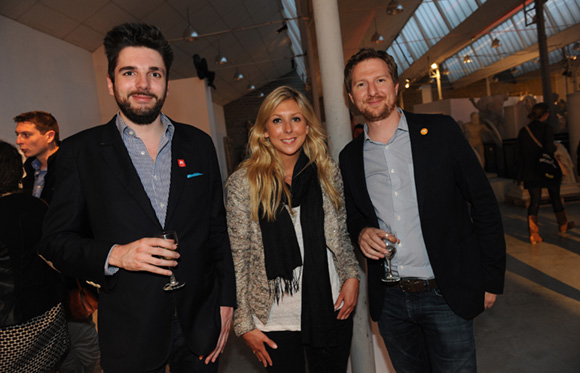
column 391, row 251
column 173, row 284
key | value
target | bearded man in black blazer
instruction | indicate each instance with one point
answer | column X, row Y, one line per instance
column 416, row 175
column 119, row 186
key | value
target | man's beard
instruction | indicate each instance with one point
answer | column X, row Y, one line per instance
column 140, row 116
column 372, row 116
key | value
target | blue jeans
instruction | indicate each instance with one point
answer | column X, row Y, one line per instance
column 423, row 334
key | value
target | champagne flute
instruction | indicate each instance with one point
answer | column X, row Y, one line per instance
column 173, row 284
column 391, row 251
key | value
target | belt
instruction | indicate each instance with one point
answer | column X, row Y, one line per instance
column 414, row 285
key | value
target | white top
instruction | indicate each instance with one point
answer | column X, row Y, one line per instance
column 285, row 315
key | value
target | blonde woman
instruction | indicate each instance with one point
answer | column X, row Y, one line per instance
column 296, row 275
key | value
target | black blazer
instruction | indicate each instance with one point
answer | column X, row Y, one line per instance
column 49, row 178
column 99, row 201
column 29, row 286
column 459, row 214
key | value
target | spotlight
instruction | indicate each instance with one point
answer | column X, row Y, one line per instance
column 377, row 38
column 394, row 8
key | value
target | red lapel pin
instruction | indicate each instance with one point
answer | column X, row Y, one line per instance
column 181, row 162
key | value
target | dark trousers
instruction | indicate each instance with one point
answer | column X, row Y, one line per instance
column 422, row 334
column 182, row 359
column 536, row 194
column 289, row 356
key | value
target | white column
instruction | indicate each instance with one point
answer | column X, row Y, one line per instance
column 313, row 69
column 331, row 59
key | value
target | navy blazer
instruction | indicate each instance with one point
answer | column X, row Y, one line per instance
column 459, row 214
column 99, row 201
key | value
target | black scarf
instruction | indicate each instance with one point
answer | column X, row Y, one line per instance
column 282, row 255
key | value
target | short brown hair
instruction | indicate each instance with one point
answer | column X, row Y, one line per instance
column 42, row 120
column 366, row 54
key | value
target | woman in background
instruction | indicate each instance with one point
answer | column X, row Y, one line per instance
column 530, row 152
column 296, row 275
column 32, row 322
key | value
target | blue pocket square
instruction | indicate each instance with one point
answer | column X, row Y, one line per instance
column 194, row 175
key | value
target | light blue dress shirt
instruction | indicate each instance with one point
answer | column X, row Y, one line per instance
column 390, row 180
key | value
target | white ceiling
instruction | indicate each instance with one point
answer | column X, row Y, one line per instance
column 260, row 53
column 245, row 29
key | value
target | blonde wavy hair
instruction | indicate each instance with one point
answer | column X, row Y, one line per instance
column 265, row 170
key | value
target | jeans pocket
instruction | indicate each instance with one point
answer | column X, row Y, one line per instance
column 437, row 292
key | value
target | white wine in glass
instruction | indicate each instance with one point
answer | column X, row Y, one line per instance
column 391, row 251
column 173, row 284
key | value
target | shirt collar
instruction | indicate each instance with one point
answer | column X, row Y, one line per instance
column 402, row 126
column 36, row 164
column 124, row 129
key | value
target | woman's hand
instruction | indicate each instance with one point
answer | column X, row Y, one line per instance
column 255, row 339
column 348, row 295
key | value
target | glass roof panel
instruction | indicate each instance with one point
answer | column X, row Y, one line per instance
column 564, row 13
column 432, row 22
column 289, row 11
column 484, row 52
column 456, row 11
column 469, row 67
column 554, row 56
column 455, row 66
column 415, row 40
column 528, row 33
column 513, row 33
column 402, row 63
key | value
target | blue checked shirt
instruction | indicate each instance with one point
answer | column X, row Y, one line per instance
column 155, row 176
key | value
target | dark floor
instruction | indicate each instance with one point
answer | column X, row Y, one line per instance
column 534, row 326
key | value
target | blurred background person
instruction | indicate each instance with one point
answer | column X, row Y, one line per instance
column 297, row 279
column 533, row 140
column 37, row 135
column 32, row 322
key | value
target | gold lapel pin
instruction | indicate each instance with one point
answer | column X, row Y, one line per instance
column 424, row 131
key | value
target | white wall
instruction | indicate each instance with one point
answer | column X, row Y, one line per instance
column 40, row 72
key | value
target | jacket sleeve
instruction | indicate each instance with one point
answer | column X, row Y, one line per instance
column 219, row 240
column 347, row 260
column 67, row 241
column 484, row 210
column 355, row 220
column 239, row 218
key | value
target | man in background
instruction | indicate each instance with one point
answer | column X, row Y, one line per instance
column 37, row 136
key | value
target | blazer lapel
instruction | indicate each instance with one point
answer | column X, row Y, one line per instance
column 180, row 157
column 358, row 167
column 117, row 158
column 421, row 151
